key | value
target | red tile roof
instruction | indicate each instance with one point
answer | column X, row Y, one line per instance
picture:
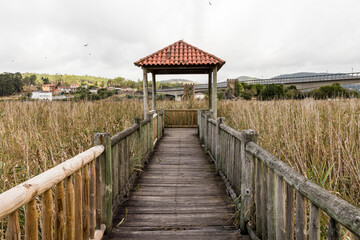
column 179, row 53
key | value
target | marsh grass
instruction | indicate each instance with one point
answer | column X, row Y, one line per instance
column 320, row 139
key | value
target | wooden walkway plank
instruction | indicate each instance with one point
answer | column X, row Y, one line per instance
column 178, row 196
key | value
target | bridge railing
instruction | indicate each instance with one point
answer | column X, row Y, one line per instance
column 181, row 118
column 272, row 197
column 303, row 79
column 76, row 199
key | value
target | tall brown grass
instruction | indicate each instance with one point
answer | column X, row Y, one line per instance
column 35, row 136
column 321, row 139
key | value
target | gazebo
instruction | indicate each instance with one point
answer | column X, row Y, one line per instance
column 180, row 58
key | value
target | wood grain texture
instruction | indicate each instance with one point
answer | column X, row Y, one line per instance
column 13, row 227
column 290, row 212
column 334, row 230
column 78, row 205
column 59, row 212
column 178, row 196
column 31, row 221
column 92, row 203
column 47, row 216
column 300, row 217
column 337, row 208
column 18, row 196
column 85, row 203
column 314, row 223
column 70, row 210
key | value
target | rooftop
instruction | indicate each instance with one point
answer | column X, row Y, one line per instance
column 180, row 54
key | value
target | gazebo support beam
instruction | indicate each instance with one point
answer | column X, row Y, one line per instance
column 214, row 93
column 145, row 92
column 153, row 91
column 210, row 89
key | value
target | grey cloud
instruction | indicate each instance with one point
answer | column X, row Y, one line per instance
column 255, row 37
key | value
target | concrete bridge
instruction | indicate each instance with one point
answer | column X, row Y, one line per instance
column 301, row 83
column 309, row 82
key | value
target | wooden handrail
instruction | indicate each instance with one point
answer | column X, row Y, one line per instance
column 337, row 208
column 181, row 118
column 88, row 187
column 25, row 192
column 123, row 134
column 267, row 186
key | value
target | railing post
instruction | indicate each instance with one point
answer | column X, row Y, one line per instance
column 151, row 137
column 201, row 127
column 105, row 162
column 247, row 179
column 158, row 125
column 219, row 121
column 206, row 132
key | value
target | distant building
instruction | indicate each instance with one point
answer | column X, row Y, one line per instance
column 94, row 90
column 48, row 88
column 74, row 86
column 199, row 96
column 42, row 95
column 65, row 89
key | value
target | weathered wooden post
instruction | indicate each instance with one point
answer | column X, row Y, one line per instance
column 145, row 91
column 200, row 125
column 105, row 162
column 151, row 131
column 247, row 179
column 206, row 132
column 153, row 91
column 219, row 121
column 210, row 90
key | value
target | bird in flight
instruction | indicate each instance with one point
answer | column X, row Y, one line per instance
column 89, row 53
column 210, row 3
column 85, row 45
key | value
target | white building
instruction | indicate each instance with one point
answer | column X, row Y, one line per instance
column 42, row 95
column 199, row 96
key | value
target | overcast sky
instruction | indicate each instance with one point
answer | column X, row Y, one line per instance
column 255, row 38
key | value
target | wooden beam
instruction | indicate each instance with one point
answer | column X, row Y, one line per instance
column 214, row 93
column 210, row 89
column 145, row 92
column 23, row 193
column 153, row 91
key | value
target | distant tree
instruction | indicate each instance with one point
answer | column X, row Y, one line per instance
column 10, row 83
column 45, row 80
column 247, row 95
column 32, row 79
column 239, row 88
column 333, row 91
column 272, row 91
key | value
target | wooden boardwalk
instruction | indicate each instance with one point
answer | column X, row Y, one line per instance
column 178, row 196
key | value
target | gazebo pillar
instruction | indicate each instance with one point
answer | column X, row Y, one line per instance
column 145, row 92
column 214, row 93
column 210, row 89
column 153, row 91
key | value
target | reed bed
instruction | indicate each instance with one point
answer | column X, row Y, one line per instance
column 321, row 139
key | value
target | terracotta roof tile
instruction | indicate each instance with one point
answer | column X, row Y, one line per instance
column 179, row 53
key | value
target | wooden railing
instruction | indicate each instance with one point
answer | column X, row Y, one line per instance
column 88, row 188
column 263, row 188
column 181, row 118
